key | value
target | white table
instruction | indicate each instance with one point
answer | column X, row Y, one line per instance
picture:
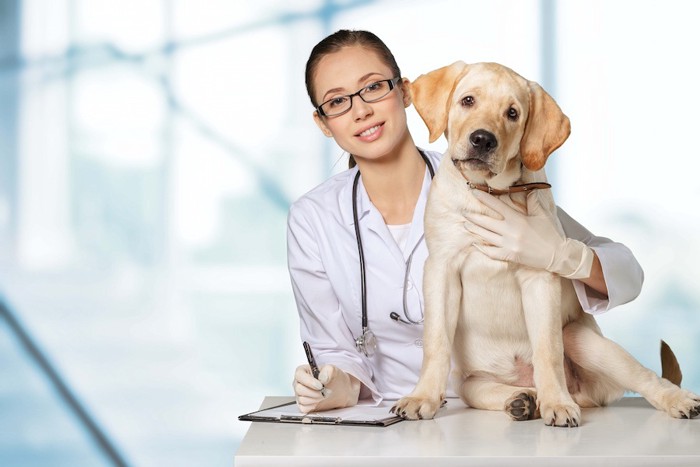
column 628, row 433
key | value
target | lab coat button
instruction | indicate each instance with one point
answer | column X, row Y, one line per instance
column 418, row 342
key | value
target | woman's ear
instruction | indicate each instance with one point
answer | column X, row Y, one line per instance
column 404, row 84
column 321, row 124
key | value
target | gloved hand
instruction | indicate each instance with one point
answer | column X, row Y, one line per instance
column 340, row 389
column 531, row 240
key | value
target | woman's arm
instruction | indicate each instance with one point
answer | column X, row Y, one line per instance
column 605, row 273
column 596, row 280
column 614, row 265
column 321, row 320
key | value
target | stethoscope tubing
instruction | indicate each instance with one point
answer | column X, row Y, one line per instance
column 363, row 276
column 405, row 285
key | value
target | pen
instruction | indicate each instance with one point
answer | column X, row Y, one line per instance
column 313, row 365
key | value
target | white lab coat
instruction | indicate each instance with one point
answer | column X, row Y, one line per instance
column 325, row 274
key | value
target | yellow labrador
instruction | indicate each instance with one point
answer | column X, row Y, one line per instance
column 517, row 337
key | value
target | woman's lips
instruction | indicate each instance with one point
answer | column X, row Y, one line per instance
column 371, row 133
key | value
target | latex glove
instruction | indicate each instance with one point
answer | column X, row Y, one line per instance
column 531, row 240
column 333, row 389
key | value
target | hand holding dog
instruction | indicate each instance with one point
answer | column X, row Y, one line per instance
column 531, row 240
column 340, row 388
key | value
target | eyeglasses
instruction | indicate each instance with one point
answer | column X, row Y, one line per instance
column 370, row 93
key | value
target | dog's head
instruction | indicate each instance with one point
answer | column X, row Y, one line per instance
column 495, row 121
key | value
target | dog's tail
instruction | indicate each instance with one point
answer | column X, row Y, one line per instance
column 670, row 369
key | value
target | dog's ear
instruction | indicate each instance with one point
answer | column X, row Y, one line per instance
column 547, row 128
column 431, row 95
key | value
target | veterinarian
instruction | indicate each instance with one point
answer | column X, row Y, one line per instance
column 355, row 242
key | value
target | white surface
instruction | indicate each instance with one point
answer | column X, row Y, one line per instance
column 629, row 432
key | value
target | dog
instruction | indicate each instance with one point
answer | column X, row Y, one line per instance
column 517, row 337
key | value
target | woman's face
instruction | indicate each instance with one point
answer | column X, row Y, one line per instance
column 367, row 130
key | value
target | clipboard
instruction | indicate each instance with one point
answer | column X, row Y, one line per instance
column 358, row 415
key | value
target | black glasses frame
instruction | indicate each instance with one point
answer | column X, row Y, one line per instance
column 392, row 84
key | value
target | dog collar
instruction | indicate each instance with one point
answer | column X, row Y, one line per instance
column 511, row 189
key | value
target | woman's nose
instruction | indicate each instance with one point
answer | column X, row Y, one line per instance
column 361, row 109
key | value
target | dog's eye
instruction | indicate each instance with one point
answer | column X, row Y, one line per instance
column 468, row 101
column 512, row 114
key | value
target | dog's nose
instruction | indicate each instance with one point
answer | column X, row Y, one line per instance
column 483, row 141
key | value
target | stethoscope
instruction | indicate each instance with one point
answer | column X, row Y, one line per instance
column 366, row 343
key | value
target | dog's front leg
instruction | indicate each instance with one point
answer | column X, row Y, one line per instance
column 442, row 289
column 543, row 318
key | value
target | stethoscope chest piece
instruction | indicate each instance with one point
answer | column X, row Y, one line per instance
column 366, row 343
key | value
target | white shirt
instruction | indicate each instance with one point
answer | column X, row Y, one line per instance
column 400, row 233
column 325, row 273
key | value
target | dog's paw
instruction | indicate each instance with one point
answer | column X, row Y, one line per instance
column 682, row 404
column 561, row 413
column 416, row 408
column 522, row 406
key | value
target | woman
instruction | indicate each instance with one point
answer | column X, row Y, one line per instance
column 360, row 99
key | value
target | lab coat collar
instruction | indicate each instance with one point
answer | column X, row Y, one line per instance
column 364, row 205
column 371, row 218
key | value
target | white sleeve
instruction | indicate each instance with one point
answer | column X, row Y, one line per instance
column 623, row 274
column 322, row 323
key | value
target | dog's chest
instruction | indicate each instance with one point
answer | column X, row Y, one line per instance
column 489, row 281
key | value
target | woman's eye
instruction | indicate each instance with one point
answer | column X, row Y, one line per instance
column 468, row 101
column 337, row 101
column 373, row 87
column 512, row 114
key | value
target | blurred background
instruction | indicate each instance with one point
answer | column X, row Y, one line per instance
column 150, row 149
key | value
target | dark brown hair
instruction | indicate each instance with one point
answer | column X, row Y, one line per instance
column 347, row 38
